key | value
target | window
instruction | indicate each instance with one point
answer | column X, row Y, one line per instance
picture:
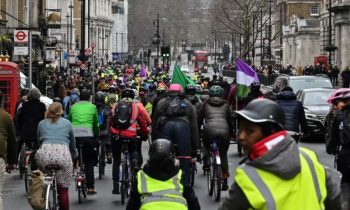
column 314, row 10
column 114, row 9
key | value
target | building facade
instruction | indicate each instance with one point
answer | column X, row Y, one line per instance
column 120, row 35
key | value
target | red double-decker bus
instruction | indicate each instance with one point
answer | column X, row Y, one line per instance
column 201, row 61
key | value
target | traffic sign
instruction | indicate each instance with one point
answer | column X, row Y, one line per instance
column 93, row 45
column 87, row 51
column 21, row 36
column 20, row 50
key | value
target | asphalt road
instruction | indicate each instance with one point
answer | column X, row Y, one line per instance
column 15, row 197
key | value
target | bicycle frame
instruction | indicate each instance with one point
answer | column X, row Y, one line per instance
column 50, row 182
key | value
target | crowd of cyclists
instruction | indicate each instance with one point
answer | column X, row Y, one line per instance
column 133, row 104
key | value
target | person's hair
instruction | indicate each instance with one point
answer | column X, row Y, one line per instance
column 287, row 88
column 161, row 164
column 269, row 128
column 54, row 112
column 62, row 92
column 85, row 95
column 34, row 93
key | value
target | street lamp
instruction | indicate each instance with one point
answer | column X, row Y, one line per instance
column 71, row 25
column 67, row 16
column 261, row 34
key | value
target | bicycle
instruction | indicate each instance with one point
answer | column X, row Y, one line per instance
column 21, row 162
column 25, row 158
column 214, row 173
column 127, row 179
column 80, row 180
column 50, row 183
column 193, row 167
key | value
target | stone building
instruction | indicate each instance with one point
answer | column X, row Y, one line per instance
column 335, row 31
column 120, row 29
column 303, row 12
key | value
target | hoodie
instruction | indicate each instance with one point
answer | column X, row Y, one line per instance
column 283, row 160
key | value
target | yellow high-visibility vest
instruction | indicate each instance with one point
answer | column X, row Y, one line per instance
column 267, row 191
column 161, row 195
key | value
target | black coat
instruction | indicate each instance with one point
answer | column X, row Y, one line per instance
column 134, row 202
column 218, row 121
column 32, row 112
column 293, row 110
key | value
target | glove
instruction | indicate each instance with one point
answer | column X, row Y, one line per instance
column 198, row 156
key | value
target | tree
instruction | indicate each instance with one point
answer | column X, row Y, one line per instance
column 239, row 17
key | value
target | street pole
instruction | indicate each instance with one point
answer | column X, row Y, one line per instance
column 270, row 31
column 157, row 40
column 71, row 25
column 253, row 51
column 67, row 16
column 330, row 34
column 82, row 31
column 233, row 48
column 116, row 42
column 261, row 36
column 88, row 23
column 30, row 60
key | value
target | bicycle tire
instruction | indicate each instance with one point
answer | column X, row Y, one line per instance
column 123, row 184
column 51, row 202
column 193, row 174
column 101, row 160
column 128, row 180
column 79, row 196
column 21, row 162
column 26, row 178
column 217, row 184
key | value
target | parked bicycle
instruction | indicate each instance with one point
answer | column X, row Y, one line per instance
column 214, row 173
column 50, row 183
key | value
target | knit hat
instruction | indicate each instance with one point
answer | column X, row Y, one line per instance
column 34, row 93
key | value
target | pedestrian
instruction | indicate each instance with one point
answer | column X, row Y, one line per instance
column 57, row 147
column 345, row 75
column 7, row 146
column 32, row 112
column 175, row 119
column 159, row 184
column 335, row 73
column 339, row 145
column 277, row 174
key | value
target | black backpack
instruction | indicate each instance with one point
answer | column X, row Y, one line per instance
column 122, row 115
column 176, row 106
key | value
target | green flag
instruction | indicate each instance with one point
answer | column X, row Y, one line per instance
column 180, row 78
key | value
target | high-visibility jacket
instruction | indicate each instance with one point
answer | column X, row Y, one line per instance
column 161, row 195
column 267, row 191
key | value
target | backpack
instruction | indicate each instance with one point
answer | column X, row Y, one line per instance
column 36, row 191
column 176, row 106
column 122, row 115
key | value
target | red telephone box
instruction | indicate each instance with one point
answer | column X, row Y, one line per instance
column 9, row 85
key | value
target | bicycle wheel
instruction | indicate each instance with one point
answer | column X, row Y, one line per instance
column 193, row 173
column 210, row 177
column 217, row 183
column 51, row 198
column 79, row 195
column 101, row 160
column 21, row 162
column 124, row 183
column 27, row 173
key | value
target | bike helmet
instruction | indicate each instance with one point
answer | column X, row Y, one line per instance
column 136, row 92
column 255, row 86
column 198, row 89
column 175, row 88
column 128, row 93
column 215, row 91
column 161, row 149
column 263, row 110
column 190, row 89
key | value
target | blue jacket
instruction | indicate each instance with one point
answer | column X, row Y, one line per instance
column 293, row 110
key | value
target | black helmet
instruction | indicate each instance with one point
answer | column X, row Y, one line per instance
column 255, row 86
column 190, row 89
column 161, row 149
column 263, row 110
column 85, row 95
column 100, row 96
column 128, row 93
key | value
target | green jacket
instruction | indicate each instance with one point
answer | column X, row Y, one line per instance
column 84, row 118
column 8, row 144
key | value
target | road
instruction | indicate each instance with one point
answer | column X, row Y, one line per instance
column 15, row 197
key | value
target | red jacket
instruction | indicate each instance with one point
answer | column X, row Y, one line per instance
column 137, row 121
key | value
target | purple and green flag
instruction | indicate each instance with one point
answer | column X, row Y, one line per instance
column 245, row 76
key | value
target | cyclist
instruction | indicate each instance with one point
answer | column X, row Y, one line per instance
column 190, row 92
column 175, row 119
column 32, row 112
column 161, row 93
column 160, row 180
column 84, row 118
column 57, row 147
column 254, row 92
column 124, row 121
column 275, row 166
column 217, row 126
column 7, row 145
column 293, row 110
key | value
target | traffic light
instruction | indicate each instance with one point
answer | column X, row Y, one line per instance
column 165, row 51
